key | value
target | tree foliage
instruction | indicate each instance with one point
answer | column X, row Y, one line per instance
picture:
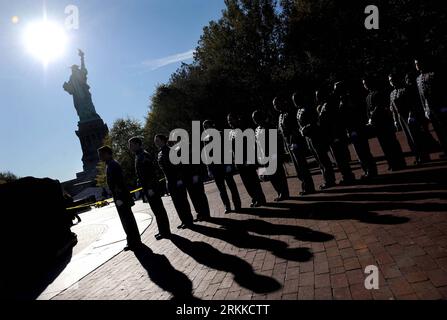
column 260, row 48
column 6, row 177
column 121, row 131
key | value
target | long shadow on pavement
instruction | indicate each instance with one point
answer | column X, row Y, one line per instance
column 339, row 210
column 391, row 187
column 243, row 272
column 327, row 211
column 163, row 274
column 400, row 191
column 436, row 174
column 379, row 197
column 267, row 228
column 26, row 282
column 242, row 239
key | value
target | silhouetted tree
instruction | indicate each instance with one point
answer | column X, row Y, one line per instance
column 6, row 177
column 259, row 48
column 121, row 131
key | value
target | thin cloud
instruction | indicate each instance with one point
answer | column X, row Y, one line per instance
column 161, row 62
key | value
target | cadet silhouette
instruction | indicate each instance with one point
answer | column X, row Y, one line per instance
column 278, row 179
column 353, row 121
column 380, row 120
column 406, row 116
column 247, row 170
column 122, row 198
column 222, row 173
column 174, row 181
column 333, row 132
column 307, row 117
column 294, row 143
column 433, row 99
column 146, row 174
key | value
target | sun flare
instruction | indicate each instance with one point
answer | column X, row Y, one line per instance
column 45, row 40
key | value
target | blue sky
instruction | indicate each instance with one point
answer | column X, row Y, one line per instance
column 130, row 46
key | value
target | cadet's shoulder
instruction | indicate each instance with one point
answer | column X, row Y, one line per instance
column 287, row 116
column 426, row 76
column 139, row 157
column 372, row 94
column 142, row 156
column 436, row 76
column 113, row 165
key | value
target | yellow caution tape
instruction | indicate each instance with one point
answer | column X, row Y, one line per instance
column 110, row 200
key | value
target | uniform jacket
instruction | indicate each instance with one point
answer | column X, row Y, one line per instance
column 115, row 181
column 145, row 170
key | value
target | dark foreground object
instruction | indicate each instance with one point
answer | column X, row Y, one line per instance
column 36, row 236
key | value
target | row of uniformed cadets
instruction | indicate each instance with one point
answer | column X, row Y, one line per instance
column 327, row 125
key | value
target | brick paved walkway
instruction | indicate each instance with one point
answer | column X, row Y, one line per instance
column 315, row 247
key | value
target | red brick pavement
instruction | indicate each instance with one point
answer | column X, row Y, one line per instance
column 311, row 248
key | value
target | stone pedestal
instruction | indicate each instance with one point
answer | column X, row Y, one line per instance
column 91, row 134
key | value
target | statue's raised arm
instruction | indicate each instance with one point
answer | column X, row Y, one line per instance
column 82, row 55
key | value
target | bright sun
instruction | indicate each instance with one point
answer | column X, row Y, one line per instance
column 45, row 40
